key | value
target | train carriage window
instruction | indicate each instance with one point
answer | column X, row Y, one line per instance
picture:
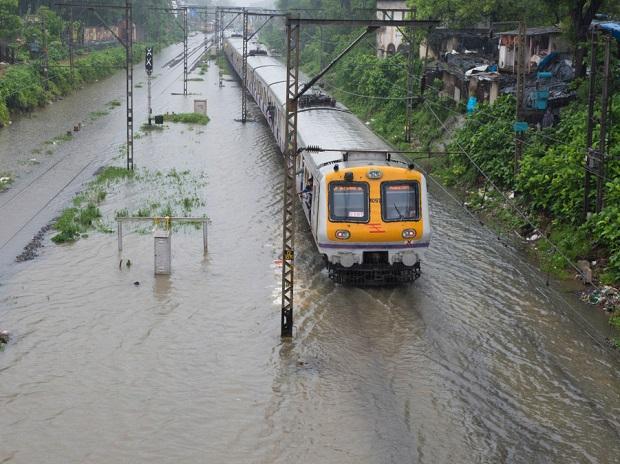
column 400, row 201
column 348, row 202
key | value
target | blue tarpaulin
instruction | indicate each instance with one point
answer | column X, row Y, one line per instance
column 613, row 28
column 546, row 61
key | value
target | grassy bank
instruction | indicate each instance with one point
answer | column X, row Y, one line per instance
column 22, row 86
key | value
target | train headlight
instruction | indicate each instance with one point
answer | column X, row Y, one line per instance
column 409, row 233
column 374, row 174
column 343, row 234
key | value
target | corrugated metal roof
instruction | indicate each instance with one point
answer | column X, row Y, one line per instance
column 613, row 28
column 536, row 31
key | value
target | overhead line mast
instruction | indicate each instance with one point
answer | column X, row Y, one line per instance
column 127, row 42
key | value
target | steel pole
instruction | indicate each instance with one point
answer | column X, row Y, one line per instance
column 590, row 126
column 520, row 136
column 288, row 220
column 185, row 50
column 129, row 74
column 244, row 68
column 600, row 185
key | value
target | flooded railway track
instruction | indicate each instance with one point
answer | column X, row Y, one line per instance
column 477, row 361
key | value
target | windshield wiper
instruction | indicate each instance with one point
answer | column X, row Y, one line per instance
column 400, row 216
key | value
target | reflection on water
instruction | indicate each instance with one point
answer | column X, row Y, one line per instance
column 475, row 362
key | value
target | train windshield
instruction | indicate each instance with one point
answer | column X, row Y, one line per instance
column 400, row 201
column 348, row 202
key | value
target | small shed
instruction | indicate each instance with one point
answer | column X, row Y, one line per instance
column 539, row 42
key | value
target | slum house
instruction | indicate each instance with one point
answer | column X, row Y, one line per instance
column 549, row 69
column 464, row 60
column 540, row 42
column 389, row 39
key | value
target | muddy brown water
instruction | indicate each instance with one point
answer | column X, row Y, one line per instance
column 477, row 361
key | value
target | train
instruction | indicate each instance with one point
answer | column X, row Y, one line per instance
column 367, row 208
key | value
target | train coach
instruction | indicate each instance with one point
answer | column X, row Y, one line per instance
column 367, row 209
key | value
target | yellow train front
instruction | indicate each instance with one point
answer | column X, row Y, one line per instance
column 370, row 221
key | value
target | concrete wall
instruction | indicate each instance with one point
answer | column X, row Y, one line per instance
column 389, row 39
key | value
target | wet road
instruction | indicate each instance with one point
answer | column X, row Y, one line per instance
column 478, row 361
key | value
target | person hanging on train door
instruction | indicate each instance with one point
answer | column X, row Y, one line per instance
column 307, row 193
column 270, row 109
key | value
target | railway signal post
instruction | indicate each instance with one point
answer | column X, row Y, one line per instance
column 148, row 64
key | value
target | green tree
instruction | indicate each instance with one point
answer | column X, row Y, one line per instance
column 9, row 20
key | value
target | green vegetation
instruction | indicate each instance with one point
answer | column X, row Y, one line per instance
column 113, row 103
column 187, row 118
column 23, row 86
column 177, row 194
column 112, row 174
column 204, row 67
column 549, row 183
column 62, row 138
column 5, row 180
column 73, row 222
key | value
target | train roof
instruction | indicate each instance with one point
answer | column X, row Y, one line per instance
column 322, row 126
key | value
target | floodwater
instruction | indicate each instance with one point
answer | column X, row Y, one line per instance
column 477, row 361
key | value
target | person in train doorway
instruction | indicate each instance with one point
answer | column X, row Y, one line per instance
column 270, row 110
column 306, row 193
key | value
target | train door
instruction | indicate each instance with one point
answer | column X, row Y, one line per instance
column 314, row 212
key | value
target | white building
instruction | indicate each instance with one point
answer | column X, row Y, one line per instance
column 389, row 39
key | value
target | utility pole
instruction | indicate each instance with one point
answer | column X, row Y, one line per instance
column 126, row 40
column 601, row 155
column 590, row 126
column 184, row 27
column 216, row 32
column 129, row 80
column 185, row 50
column 519, row 133
column 293, row 47
column 244, row 68
column 71, row 56
column 45, row 54
column 244, row 63
column 410, row 71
